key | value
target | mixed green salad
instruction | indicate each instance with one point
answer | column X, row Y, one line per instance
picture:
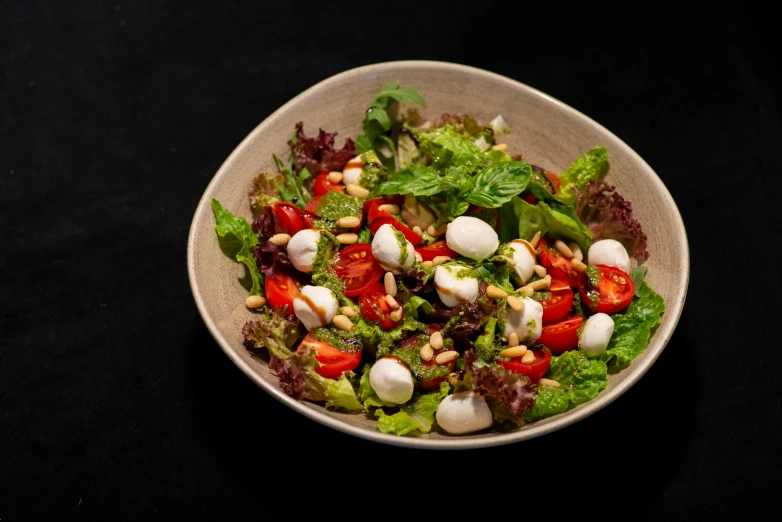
column 427, row 276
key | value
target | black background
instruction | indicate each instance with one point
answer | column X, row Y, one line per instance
column 115, row 402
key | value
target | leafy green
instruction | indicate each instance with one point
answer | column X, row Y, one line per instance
column 275, row 331
column 541, row 192
column 498, row 183
column 580, row 379
column 264, row 191
column 367, row 395
column 509, row 223
column 638, row 275
column 447, row 148
column 227, row 223
column 591, row 166
column 417, row 181
column 291, row 189
column 417, row 414
column 415, row 305
column 554, row 219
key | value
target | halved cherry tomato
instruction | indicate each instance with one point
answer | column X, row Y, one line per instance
column 309, row 215
column 396, row 199
column 356, row 267
column 563, row 335
column 374, row 307
column 558, row 305
column 401, row 227
column 333, row 360
column 438, row 248
column 554, row 179
column 530, row 198
column 418, row 341
column 323, row 185
column 613, row 292
column 281, row 290
column 313, row 205
column 534, row 370
column 289, row 217
column 558, row 266
column 308, row 218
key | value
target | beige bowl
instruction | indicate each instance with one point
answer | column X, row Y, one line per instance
column 547, row 132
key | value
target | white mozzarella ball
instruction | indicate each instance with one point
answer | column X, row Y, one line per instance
column 527, row 324
column 454, row 287
column 353, row 170
column 597, row 331
column 302, row 249
column 609, row 252
column 315, row 306
column 464, row 412
column 392, row 251
column 524, row 255
column 471, row 237
column 391, row 380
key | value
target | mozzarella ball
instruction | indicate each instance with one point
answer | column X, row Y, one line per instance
column 471, row 237
column 527, row 324
column 453, row 286
column 353, row 171
column 524, row 255
column 597, row 331
column 391, row 380
column 392, row 251
column 464, row 412
column 609, row 252
column 415, row 214
column 302, row 249
column 315, row 306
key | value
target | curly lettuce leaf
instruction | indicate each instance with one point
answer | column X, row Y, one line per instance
column 447, row 148
column 227, row 223
column 554, row 219
column 318, row 153
column 417, row 414
column 591, row 166
column 275, row 331
column 264, row 191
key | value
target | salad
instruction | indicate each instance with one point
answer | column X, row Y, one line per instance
column 425, row 275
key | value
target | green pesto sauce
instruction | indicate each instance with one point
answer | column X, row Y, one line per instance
column 335, row 205
column 322, row 224
column 411, row 356
column 329, row 279
column 505, row 250
column 336, row 337
column 372, row 175
column 593, row 274
column 403, row 253
column 328, row 245
column 541, row 296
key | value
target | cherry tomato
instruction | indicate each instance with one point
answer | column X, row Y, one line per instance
column 323, row 185
column 534, row 370
column 401, row 227
column 333, row 360
column 310, row 214
column 438, row 248
column 558, row 305
column 356, row 267
column 289, row 216
column 563, row 335
column 613, row 292
column 554, row 179
column 530, row 198
column 281, row 290
column 397, row 199
column 374, row 307
column 313, row 205
column 558, row 266
column 418, row 341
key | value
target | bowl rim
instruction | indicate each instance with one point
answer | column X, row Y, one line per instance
column 659, row 338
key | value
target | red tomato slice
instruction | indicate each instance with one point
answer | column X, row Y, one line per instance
column 323, row 185
column 289, row 216
column 438, row 248
column 558, row 305
column 333, row 360
column 356, row 267
column 374, row 307
column 612, row 294
column 281, row 290
column 404, row 229
column 534, row 370
column 396, row 199
column 558, row 266
column 419, row 340
column 554, row 179
column 530, row 198
column 313, row 205
column 563, row 335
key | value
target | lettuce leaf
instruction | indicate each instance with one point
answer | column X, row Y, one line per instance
column 227, row 223
column 417, row 414
column 591, row 166
column 275, row 331
column 554, row 219
column 448, row 148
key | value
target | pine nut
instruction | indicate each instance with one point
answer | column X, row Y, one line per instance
column 549, row 382
column 348, row 311
column 418, row 257
column 428, row 264
column 540, row 284
column 439, row 260
column 280, row 239
column 563, row 248
column 525, row 291
column 513, row 339
column 578, row 265
column 347, row 239
column 335, row 176
column 418, row 230
column 434, row 232
column 343, row 322
column 426, row 352
column 446, row 357
column 516, row 303
column 390, row 208
column 392, row 302
column 453, row 379
column 349, row 222
column 514, row 351
column 397, row 314
column 528, row 357
column 254, row 301
column 390, row 284
column 436, row 340
column 500, row 146
column 496, row 292
column 356, row 190
column 541, row 271
column 577, row 253
column 509, row 260
column 535, row 239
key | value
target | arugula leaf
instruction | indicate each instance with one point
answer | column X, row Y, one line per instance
column 591, row 166
column 227, row 223
column 498, row 183
column 291, row 188
column 418, row 181
column 555, row 219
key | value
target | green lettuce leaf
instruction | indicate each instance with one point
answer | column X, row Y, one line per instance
column 299, row 377
column 554, row 219
column 367, row 395
column 448, row 148
column 415, row 305
column 227, row 223
column 591, row 166
column 417, row 414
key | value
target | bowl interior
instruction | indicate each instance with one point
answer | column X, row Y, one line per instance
column 545, row 131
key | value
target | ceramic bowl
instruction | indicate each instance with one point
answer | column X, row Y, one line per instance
column 547, row 132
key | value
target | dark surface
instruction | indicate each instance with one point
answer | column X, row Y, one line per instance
column 115, row 402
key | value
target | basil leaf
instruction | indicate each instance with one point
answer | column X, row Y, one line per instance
column 418, row 181
column 557, row 220
column 541, row 192
column 498, row 183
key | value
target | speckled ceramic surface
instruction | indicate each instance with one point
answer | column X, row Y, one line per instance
column 547, row 133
